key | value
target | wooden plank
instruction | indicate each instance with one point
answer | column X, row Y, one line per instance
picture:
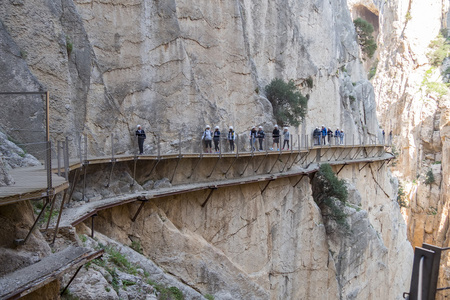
column 30, row 183
column 26, row 280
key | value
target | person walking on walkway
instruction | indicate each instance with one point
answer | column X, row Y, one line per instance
column 207, row 137
column 330, row 135
column 337, row 135
column 276, row 138
column 216, row 139
column 260, row 135
column 252, row 139
column 231, row 137
column 316, row 135
column 384, row 133
column 341, row 136
column 140, row 133
column 324, row 134
column 286, row 137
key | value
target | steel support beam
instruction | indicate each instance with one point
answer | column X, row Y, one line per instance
column 365, row 165
column 23, row 241
column 212, row 189
column 195, row 167
column 71, row 279
column 143, row 201
column 337, row 173
column 267, row 184
column 60, row 213
column 301, row 177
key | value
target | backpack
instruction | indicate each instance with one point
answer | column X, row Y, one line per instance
column 207, row 135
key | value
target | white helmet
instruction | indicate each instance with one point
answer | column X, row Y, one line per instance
column 285, row 128
column 253, row 127
column 207, row 126
column 260, row 127
column 276, row 126
column 231, row 127
column 138, row 126
column 217, row 127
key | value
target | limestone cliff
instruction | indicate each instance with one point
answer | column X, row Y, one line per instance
column 175, row 66
column 411, row 104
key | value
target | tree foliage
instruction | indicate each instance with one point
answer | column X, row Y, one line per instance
column 365, row 38
column 439, row 50
column 289, row 105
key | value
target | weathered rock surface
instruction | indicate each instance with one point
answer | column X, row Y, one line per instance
column 244, row 245
column 177, row 66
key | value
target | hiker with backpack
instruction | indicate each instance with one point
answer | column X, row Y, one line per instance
column 337, row 135
column 231, row 137
column 207, row 138
column 330, row 135
column 261, row 135
column 216, row 139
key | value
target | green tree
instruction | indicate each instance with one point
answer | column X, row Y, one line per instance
column 289, row 105
column 439, row 50
column 365, row 38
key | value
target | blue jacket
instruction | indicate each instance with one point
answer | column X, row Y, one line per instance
column 324, row 131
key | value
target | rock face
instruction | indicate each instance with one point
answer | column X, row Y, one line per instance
column 176, row 66
column 410, row 104
column 244, row 245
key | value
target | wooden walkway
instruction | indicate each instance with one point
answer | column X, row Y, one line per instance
column 26, row 280
column 76, row 215
column 30, row 183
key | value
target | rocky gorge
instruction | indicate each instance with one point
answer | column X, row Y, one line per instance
column 174, row 66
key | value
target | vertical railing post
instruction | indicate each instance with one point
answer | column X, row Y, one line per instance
column 58, row 158
column 237, row 145
column 179, row 144
column 79, row 150
column 112, row 146
column 159, row 145
column 66, row 159
column 85, row 148
column 49, row 167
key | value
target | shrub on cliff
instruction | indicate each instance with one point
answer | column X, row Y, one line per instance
column 439, row 50
column 330, row 194
column 289, row 105
column 365, row 38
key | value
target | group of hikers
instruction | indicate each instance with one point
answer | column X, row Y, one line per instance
column 210, row 136
column 320, row 138
column 321, row 135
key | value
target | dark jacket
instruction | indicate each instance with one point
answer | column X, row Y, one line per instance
column 261, row 134
column 216, row 134
column 141, row 134
column 276, row 133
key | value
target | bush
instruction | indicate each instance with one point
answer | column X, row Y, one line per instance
column 439, row 50
column 309, row 82
column 289, row 105
column 69, row 45
column 401, row 196
column 331, row 192
column 430, row 178
column 365, row 39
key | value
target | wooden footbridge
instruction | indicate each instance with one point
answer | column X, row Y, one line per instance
column 187, row 173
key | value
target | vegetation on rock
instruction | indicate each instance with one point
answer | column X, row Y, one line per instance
column 365, row 38
column 289, row 105
column 430, row 178
column 331, row 194
column 439, row 50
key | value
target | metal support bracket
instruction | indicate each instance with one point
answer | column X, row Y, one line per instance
column 113, row 163
column 337, row 173
column 134, row 170
column 246, row 166
column 278, row 158
column 154, row 166
column 60, row 213
column 293, row 161
column 231, row 165
column 215, row 165
column 284, row 167
column 23, row 241
column 212, row 189
column 71, row 279
column 262, row 160
column 267, row 184
column 143, row 201
column 195, row 167
column 365, row 165
column 301, row 177
column 92, row 224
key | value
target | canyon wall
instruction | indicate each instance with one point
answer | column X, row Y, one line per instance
column 176, row 66
column 413, row 102
column 245, row 244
